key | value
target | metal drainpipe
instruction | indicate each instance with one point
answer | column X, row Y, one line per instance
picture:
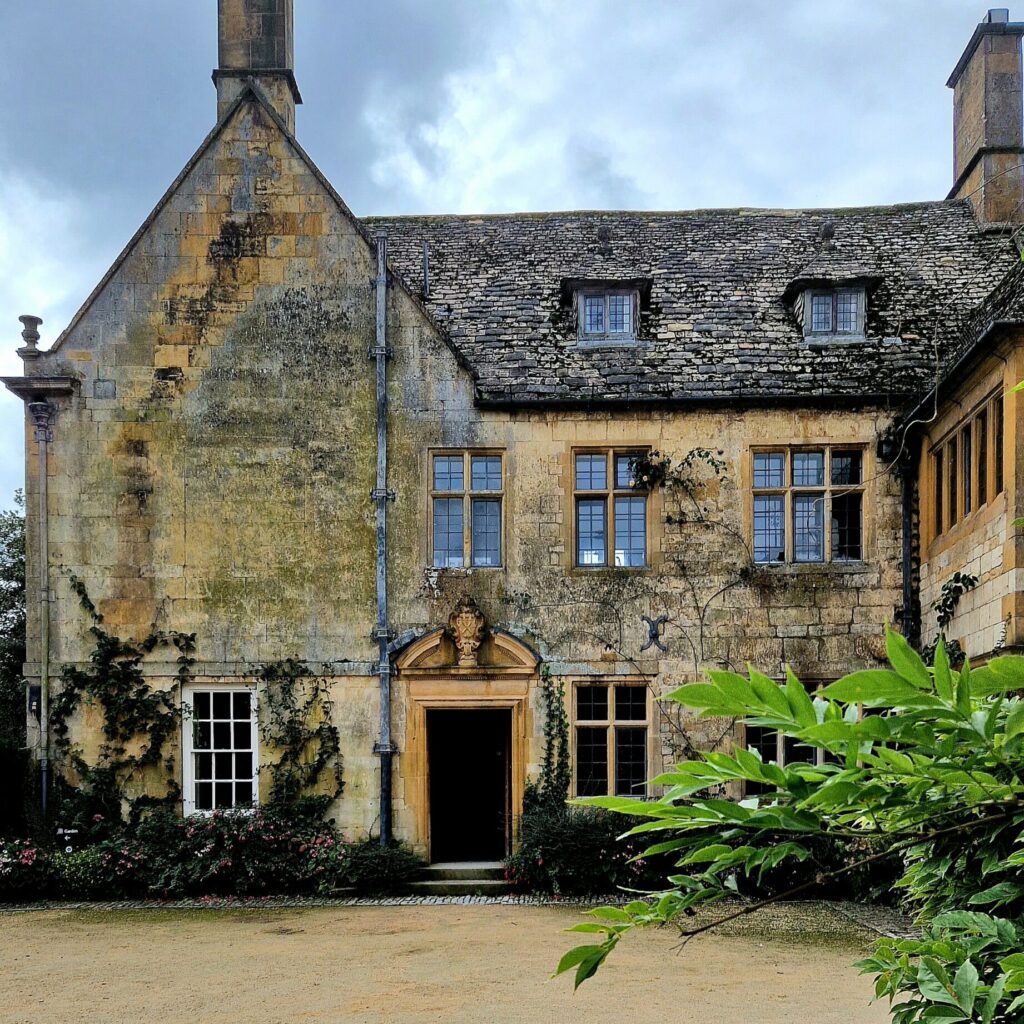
column 41, row 413
column 381, row 496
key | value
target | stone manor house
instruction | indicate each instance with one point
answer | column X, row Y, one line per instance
column 438, row 458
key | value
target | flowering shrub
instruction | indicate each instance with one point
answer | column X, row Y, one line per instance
column 24, row 870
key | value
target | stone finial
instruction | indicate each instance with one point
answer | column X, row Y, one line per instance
column 466, row 625
column 30, row 335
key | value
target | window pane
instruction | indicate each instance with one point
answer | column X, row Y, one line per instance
column 592, row 703
column 486, row 531
column 967, row 460
column 982, row 422
column 795, row 752
column 591, row 472
column 769, row 528
column 808, row 469
column 770, row 469
column 243, row 736
column 449, row 473
column 591, row 532
column 939, row 496
column 997, row 422
column 846, row 527
column 847, row 312
column 221, row 705
column 624, row 471
column 485, row 473
column 203, row 766
column 593, row 314
column 630, row 532
column 765, row 742
column 201, row 705
column 221, row 735
column 201, row 735
column 224, row 794
column 223, row 766
column 448, row 529
column 620, row 308
column 951, row 471
column 243, row 794
column 243, row 766
column 204, row 796
column 630, row 761
column 631, row 703
column 821, row 312
column 847, row 468
column 591, row 762
column 808, row 527
column 242, row 703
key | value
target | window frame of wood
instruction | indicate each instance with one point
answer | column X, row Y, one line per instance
column 192, row 776
column 813, row 298
column 794, row 497
column 612, row 725
column 966, row 466
column 467, row 496
column 608, row 497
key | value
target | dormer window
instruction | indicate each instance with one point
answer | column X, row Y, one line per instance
column 608, row 317
column 836, row 312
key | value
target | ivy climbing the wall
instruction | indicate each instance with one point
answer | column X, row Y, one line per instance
column 552, row 786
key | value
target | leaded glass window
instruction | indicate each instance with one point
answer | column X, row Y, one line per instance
column 612, row 734
column 610, row 514
column 840, row 311
column 466, row 521
column 607, row 317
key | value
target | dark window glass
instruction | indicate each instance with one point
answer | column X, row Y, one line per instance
column 222, row 766
column 221, row 705
column 591, row 472
column 765, row 742
column 967, row 463
column 982, row 427
column 808, row 469
column 592, row 703
column 486, row 472
column 221, row 735
column 630, row 532
column 243, row 794
column 204, row 796
column 630, row 760
column 951, row 468
column 449, row 473
column 846, row 527
column 201, row 705
column 243, row 766
column 448, row 533
column 769, row 528
column 770, row 469
column 631, row 703
column 795, row 752
column 808, row 527
column 997, row 441
column 204, row 766
column 201, row 735
column 224, row 795
column 242, row 704
column 939, row 493
column 847, row 468
column 486, row 531
column 243, row 735
column 591, row 761
column 591, row 531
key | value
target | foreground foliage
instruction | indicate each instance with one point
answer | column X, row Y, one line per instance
column 925, row 763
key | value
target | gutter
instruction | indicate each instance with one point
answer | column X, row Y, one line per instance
column 381, row 496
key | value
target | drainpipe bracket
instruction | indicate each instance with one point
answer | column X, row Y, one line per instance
column 387, row 352
column 382, row 494
column 385, row 748
column 382, row 633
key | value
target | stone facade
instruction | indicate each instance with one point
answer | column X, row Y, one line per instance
column 213, row 445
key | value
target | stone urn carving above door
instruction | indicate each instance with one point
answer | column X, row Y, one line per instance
column 466, row 626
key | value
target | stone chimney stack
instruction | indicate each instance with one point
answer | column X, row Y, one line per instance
column 988, row 121
column 257, row 40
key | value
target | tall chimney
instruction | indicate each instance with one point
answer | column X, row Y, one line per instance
column 257, row 40
column 988, row 121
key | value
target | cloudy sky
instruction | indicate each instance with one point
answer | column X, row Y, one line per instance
column 467, row 106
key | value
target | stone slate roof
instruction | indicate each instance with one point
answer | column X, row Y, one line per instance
column 717, row 324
